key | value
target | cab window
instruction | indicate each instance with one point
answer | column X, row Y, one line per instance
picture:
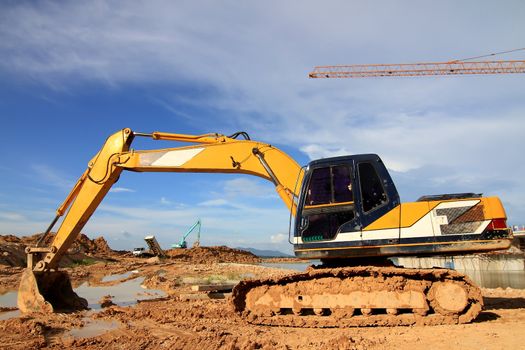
column 330, row 185
column 372, row 192
column 320, row 187
column 328, row 204
column 342, row 184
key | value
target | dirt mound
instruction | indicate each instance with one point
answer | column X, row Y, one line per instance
column 97, row 246
column 217, row 254
column 12, row 254
column 9, row 239
column 83, row 244
column 12, row 249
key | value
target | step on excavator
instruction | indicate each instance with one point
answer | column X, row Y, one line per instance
column 346, row 212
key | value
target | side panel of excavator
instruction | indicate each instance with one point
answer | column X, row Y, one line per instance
column 350, row 208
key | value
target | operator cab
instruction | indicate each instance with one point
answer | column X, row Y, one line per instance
column 342, row 195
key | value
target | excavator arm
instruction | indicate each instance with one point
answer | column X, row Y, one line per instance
column 210, row 153
column 182, row 242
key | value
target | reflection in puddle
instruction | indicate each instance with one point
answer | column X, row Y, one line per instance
column 92, row 328
column 123, row 294
column 9, row 314
column 298, row 266
column 495, row 279
column 498, row 272
column 7, row 302
column 8, row 299
column 486, row 271
column 121, row 276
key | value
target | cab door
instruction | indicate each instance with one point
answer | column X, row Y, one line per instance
column 329, row 203
column 376, row 202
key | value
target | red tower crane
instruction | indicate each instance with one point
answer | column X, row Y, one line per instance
column 455, row 67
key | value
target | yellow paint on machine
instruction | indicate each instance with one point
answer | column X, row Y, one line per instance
column 493, row 208
column 404, row 215
column 233, row 156
column 329, row 205
column 407, row 214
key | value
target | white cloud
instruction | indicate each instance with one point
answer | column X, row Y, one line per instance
column 278, row 238
column 25, row 222
column 447, row 130
column 214, row 203
column 236, row 192
column 316, row 151
column 220, row 224
column 249, row 187
column 120, row 189
column 12, row 216
column 51, row 176
column 177, row 112
column 164, row 201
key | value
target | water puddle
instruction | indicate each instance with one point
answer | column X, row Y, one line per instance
column 8, row 299
column 298, row 266
column 92, row 328
column 9, row 314
column 501, row 272
column 123, row 294
column 497, row 279
column 117, row 277
column 497, row 271
column 127, row 293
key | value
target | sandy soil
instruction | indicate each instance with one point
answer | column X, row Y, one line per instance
column 174, row 322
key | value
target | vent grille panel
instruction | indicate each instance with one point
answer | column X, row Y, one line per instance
column 461, row 219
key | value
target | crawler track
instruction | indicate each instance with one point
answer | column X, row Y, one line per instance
column 359, row 296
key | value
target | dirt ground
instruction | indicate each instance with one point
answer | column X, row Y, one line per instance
column 173, row 321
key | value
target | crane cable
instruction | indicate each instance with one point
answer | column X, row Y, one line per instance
column 491, row 54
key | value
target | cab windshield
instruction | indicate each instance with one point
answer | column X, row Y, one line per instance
column 329, row 203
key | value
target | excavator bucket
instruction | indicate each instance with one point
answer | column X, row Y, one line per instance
column 47, row 292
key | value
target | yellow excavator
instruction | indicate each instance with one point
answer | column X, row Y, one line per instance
column 346, row 212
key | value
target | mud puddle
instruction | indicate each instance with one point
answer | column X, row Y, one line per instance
column 8, row 299
column 504, row 278
column 92, row 328
column 9, row 314
column 123, row 294
column 127, row 293
column 7, row 305
column 497, row 279
column 493, row 271
column 298, row 266
column 117, row 277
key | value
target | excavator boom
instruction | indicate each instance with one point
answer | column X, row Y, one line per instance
column 213, row 153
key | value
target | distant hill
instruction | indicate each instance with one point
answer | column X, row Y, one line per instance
column 266, row 253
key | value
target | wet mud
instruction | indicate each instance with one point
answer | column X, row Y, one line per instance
column 167, row 320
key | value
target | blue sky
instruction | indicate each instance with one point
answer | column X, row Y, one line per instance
column 73, row 73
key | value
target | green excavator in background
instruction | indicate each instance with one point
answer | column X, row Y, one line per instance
column 183, row 243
